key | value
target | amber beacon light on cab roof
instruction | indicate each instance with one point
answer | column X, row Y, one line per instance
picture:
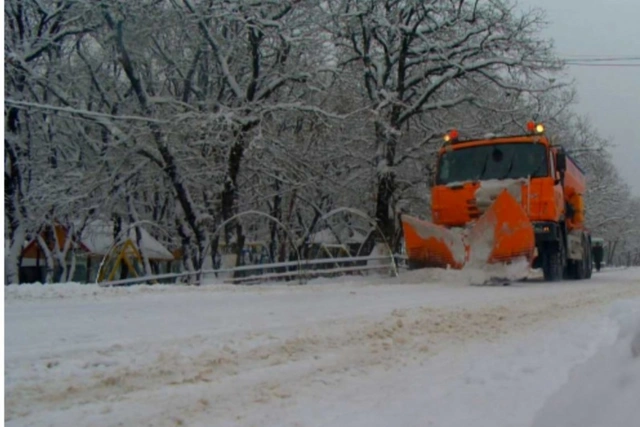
column 504, row 199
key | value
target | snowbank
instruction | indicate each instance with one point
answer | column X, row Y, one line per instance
column 604, row 391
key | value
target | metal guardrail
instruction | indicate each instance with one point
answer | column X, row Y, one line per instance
column 301, row 270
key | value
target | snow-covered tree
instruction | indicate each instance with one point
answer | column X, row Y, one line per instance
column 416, row 58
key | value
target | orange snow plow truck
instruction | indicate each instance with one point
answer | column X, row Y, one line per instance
column 501, row 200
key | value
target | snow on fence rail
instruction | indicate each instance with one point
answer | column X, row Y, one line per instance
column 300, row 270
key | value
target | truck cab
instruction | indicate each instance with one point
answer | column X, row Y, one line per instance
column 470, row 174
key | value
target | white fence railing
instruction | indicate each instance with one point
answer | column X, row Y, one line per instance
column 299, row 270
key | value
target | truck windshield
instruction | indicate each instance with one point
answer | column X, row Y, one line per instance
column 496, row 161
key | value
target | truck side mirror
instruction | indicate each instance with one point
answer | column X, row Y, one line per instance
column 561, row 161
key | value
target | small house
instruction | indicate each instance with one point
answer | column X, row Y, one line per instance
column 95, row 246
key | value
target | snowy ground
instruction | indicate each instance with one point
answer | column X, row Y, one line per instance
column 415, row 351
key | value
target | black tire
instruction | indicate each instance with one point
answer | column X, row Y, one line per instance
column 580, row 269
column 553, row 262
column 569, row 271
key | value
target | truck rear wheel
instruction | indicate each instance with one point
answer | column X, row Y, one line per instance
column 553, row 261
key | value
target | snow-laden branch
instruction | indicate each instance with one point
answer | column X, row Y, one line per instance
column 217, row 49
column 82, row 112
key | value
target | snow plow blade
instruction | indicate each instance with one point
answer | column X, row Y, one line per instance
column 501, row 235
column 430, row 245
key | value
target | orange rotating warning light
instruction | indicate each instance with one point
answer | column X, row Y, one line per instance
column 533, row 127
column 451, row 136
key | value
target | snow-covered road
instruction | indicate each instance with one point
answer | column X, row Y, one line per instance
column 412, row 351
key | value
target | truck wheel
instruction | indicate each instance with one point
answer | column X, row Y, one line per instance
column 571, row 272
column 553, row 262
column 579, row 271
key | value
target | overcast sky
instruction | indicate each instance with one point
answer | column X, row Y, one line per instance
column 609, row 96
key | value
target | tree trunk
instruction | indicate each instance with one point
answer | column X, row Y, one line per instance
column 72, row 267
column 240, row 239
column 386, row 148
column 15, row 211
column 48, row 256
column 185, row 240
column 276, row 212
column 117, row 227
column 229, row 193
column 17, row 234
column 214, row 252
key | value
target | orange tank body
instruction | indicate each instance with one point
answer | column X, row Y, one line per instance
column 574, row 187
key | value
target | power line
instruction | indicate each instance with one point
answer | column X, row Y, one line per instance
column 598, row 60
column 602, row 58
column 611, row 61
column 587, row 64
column 588, row 56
